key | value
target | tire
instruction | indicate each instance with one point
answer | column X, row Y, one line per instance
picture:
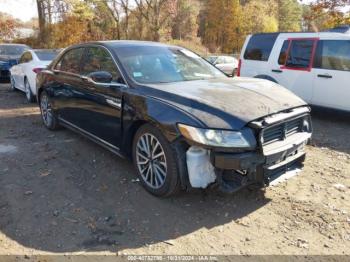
column 12, row 84
column 29, row 94
column 47, row 113
column 155, row 162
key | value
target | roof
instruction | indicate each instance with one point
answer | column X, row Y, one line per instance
column 8, row 44
column 120, row 43
column 45, row 50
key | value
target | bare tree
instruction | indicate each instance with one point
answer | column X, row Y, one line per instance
column 125, row 5
column 151, row 10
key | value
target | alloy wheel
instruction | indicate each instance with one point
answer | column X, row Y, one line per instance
column 46, row 110
column 151, row 160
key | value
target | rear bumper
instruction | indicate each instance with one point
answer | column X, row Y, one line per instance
column 237, row 170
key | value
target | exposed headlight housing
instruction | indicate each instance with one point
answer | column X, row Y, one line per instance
column 306, row 125
column 219, row 138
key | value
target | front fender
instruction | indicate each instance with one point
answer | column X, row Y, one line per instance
column 145, row 109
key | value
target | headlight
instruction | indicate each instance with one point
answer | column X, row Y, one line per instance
column 219, row 138
column 306, row 125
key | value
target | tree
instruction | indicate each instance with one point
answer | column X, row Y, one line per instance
column 184, row 23
column 325, row 14
column 156, row 13
column 260, row 16
column 221, row 25
column 289, row 14
column 8, row 26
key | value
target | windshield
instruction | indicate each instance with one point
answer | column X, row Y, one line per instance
column 11, row 50
column 162, row 64
column 46, row 55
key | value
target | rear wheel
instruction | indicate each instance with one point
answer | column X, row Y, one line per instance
column 155, row 162
column 29, row 94
column 12, row 83
column 47, row 114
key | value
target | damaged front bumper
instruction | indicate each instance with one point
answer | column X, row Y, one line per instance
column 235, row 171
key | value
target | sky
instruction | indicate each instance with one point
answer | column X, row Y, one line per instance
column 21, row 9
column 26, row 9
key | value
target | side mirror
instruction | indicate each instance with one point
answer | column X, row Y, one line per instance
column 101, row 77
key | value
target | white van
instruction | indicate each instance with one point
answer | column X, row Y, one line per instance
column 315, row 66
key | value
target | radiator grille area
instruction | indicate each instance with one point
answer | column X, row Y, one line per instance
column 281, row 131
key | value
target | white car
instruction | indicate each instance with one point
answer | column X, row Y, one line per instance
column 315, row 66
column 227, row 64
column 23, row 75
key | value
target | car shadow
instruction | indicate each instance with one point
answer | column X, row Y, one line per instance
column 331, row 129
column 62, row 193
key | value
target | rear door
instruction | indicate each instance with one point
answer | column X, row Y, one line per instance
column 293, row 68
column 67, row 88
column 331, row 74
column 100, row 109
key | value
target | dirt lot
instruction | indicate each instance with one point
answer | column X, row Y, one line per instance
column 61, row 193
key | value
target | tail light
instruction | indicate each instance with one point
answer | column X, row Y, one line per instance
column 37, row 70
column 239, row 67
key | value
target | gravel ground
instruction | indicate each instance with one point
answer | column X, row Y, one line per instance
column 60, row 193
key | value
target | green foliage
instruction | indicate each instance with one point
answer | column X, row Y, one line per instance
column 289, row 15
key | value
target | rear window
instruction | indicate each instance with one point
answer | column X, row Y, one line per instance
column 46, row 55
column 259, row 47
column 333, row 55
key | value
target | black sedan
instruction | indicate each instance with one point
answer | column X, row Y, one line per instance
column 182, row 122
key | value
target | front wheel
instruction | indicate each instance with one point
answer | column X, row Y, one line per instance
column 47, row 114
column 155, row 162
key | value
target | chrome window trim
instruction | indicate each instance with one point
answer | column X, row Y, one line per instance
column 89, row 79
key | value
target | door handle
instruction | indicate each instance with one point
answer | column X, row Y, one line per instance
column 277, row 71
column 325, row 76
column 114, row 102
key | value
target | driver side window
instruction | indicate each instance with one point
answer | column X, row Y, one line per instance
column 70, row 61
column 98, row 59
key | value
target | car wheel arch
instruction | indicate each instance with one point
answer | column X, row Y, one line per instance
column 153, row 114
column 266, row 77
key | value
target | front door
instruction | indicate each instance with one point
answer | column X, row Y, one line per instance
column 331, row 74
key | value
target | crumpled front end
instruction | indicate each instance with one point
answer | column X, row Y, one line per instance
column 281, row 140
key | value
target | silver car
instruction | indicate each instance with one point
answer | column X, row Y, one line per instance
column 227, row 64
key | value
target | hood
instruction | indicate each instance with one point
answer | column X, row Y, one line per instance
column 228, row 103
